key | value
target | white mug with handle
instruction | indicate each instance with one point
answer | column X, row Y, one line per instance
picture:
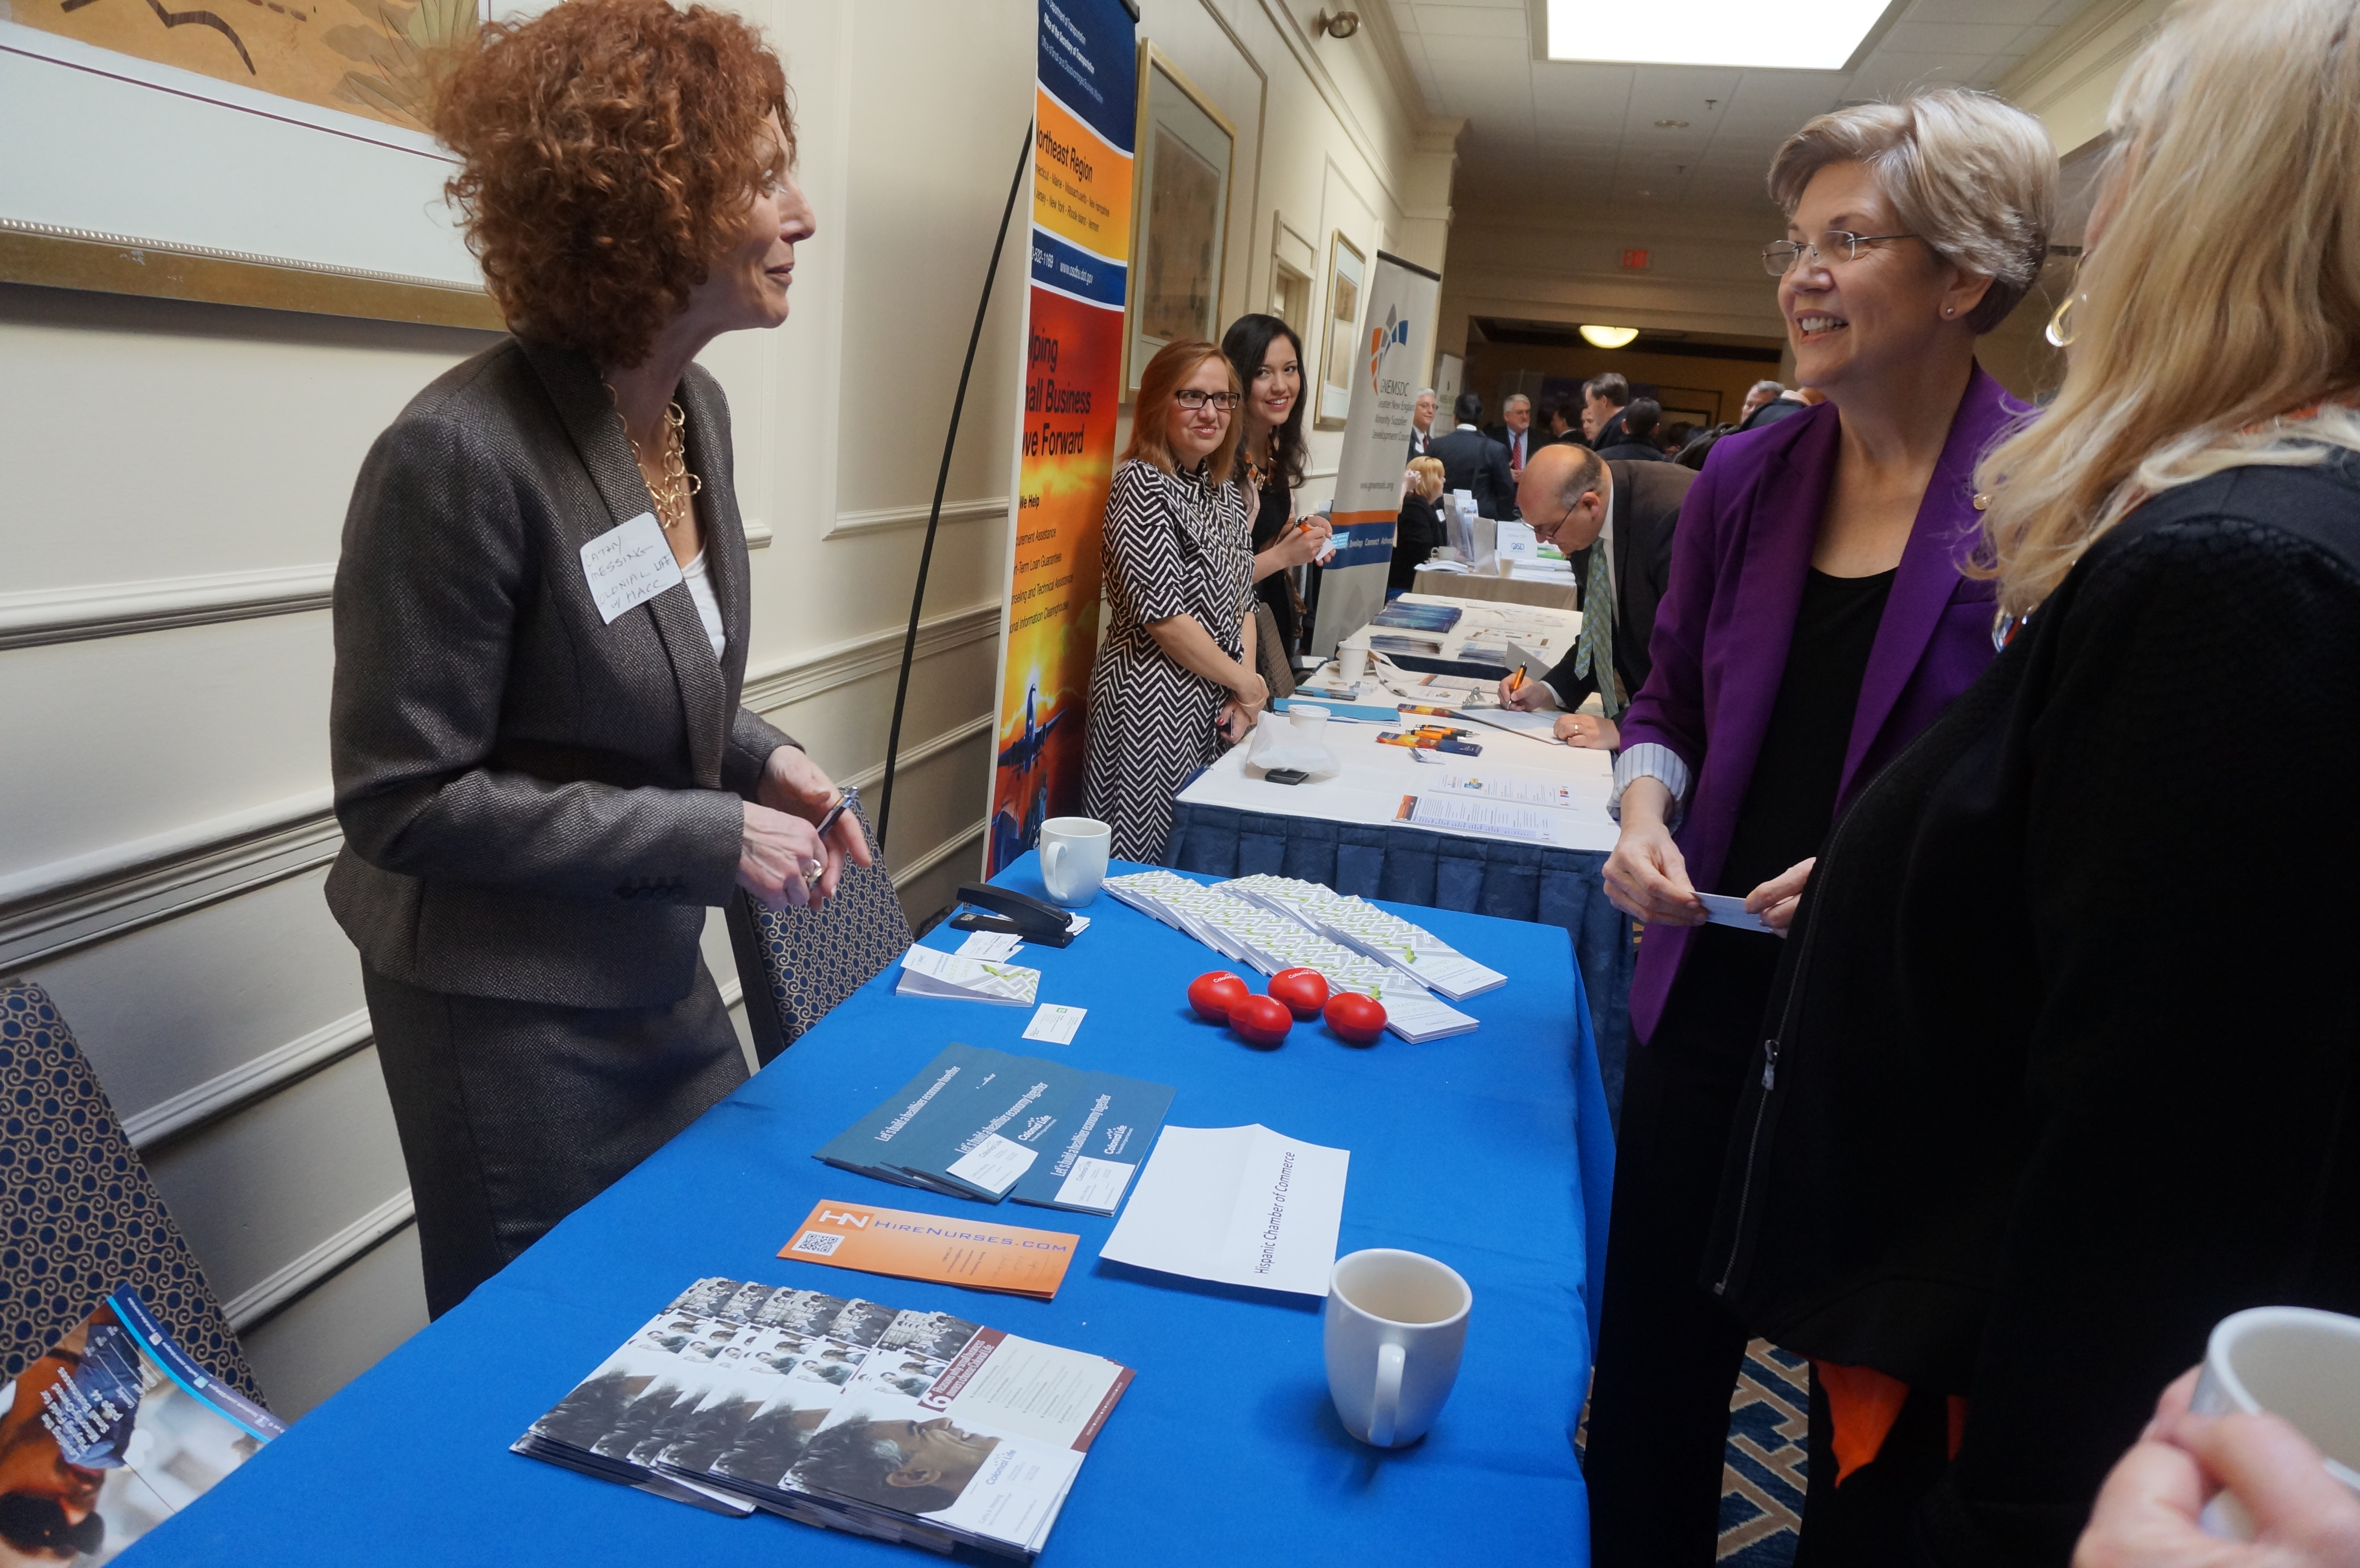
column 1395, row 1326
column 2295, row 1362
column 1073, row 858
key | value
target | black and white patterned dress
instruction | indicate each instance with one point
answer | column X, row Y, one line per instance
column 1175, row 545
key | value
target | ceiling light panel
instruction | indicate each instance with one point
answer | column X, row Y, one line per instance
column 1742, row 33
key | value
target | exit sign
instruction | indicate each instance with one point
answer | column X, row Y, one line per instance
column 1635, row 261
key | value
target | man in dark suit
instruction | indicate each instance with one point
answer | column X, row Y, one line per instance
column 1622, row 515
column 1421, row 423
column 1515, row 432
column 1603, row 399
column 1473, row 462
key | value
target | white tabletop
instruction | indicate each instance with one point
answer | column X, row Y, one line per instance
column 1375, row 778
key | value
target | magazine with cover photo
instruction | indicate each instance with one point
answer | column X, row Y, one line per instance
column 920, row 1428
column 113, row 1430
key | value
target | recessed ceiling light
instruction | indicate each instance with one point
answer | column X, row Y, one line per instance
column 1671, row 125
column 1711, row 32
column 1609, row 337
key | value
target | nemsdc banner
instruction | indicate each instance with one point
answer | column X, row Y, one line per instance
column 1396, row 337
column 1085, row 109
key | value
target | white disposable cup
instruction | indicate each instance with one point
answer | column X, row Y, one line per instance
column 1395, row 1325
column 2298, row 1363
column 1351, row 661
column 1073, row 858
column 1310, row 721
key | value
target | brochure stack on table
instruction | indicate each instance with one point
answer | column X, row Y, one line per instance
column 910, row 1427
column 1252, row 935
column 1364, row 928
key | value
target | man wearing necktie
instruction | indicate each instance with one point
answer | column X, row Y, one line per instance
column 1622, row 515
column 1515, row 432
column 1421, row 422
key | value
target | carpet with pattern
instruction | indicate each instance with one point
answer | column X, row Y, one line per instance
column 1761, row 1478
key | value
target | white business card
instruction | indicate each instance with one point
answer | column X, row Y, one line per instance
column 1055, row 1023
column 991, row 947
column 1096, row 1184
column 994, row 1164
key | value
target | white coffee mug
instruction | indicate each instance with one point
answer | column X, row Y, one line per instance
column 1073, row 858
column 2297, row 1362
column 1351, row 661
column 1395, row 1325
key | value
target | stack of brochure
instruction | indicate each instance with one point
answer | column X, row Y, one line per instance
column 111, row 1431
column 1364, row 928
column 1258, row 936
column 927, row 972
column 978, row 1123
column 903, row 1426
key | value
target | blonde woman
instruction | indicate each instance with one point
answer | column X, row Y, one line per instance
column 2064, row 1064
column 1419, row 528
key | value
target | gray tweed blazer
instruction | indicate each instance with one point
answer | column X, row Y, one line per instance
column 535, row 805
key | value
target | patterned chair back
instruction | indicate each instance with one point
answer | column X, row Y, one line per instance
column 805, row 962
column 78, row 1215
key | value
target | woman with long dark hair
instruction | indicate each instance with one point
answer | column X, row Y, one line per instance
column 1268, row 358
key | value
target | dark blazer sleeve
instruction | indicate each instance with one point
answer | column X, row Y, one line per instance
column 1503, row 484
column 434, row 578
column 1658, row 491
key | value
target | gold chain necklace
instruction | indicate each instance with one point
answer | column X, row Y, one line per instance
column 675, row 487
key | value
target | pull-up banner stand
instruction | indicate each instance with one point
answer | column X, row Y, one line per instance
column 1086, row 108
column 1396, row 336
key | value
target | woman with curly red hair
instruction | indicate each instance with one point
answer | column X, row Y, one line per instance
column 543, row 770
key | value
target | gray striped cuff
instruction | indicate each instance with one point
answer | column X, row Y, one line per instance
column 1650, row 759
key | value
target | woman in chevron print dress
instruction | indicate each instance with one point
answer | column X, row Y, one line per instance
column 1175, row 673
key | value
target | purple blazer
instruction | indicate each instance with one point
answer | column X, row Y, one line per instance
column 1740, row 557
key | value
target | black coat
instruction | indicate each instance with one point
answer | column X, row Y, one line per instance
column 1472, row 461
column 2059, row 1081
column 1416, row 533
column 1646, row 510
column 1534, row 439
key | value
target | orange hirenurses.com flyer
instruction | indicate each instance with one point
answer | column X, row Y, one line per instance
column 929, row 1246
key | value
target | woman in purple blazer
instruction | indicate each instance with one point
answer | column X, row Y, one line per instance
column 1815, row 622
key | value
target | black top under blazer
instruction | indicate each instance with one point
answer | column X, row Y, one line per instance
column 535, row 805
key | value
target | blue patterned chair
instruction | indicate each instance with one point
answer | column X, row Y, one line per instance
column 803, row 964
column 78, row 1215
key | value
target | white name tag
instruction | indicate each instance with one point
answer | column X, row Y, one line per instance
column 629, row 565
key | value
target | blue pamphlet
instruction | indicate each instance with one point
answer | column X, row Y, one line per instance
column 1101, row 1138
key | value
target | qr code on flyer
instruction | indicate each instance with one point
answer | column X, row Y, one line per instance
column 817, row 1244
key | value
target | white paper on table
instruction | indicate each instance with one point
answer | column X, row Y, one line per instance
column 1055, row 1023
column 994, row 1164
column 1239, row 1205
column 1505, row 819
column 1729, row 910
column 1521, row 792
column 925, row 971
column 1518, row 542
column 990, row 947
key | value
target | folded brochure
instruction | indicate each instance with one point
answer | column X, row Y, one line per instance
column 1008, row 1258
column 978, row 1123
column 904, row 1426
column 928, row 971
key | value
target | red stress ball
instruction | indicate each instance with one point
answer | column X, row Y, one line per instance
column 1304, row 992
column 1357, row 1019
column 1262, row 1021
column 1214, row 995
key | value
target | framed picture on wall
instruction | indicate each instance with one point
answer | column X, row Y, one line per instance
column 1188, row 152
column 1347, row 269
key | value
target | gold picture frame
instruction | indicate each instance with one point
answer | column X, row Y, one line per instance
column 1348, row 277
column 1185, row 170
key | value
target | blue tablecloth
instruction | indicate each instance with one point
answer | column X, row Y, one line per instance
column 1489, row 1152
column 1441, row 871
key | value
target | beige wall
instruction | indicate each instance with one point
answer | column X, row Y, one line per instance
column 165, row 829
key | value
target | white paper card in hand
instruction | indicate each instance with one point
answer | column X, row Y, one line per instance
column 1055, row 1023
column 628, row 565
column 1094, row 1184
column 1242, row 1205
column 1729, row 910
column 991, row 947
column 994, row 1164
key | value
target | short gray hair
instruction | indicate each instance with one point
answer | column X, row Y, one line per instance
column 1515, row 399
column 1426, row 392
column 1972, row 176
column 1773, row 387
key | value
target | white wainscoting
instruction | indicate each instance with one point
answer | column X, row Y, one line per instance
column 882, row 518
column 28, row 619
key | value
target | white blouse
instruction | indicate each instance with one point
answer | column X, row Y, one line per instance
column 708, row 608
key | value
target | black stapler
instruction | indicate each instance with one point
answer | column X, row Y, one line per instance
column 1013, row 912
